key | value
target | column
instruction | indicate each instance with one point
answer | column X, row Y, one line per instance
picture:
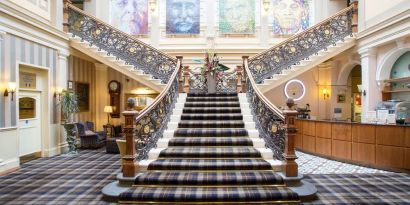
column 61, row 82
column 264, row 25
column 101, row 81
column 370, row 91
column 155, row 33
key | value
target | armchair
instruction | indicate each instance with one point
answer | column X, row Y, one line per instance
column 90, row 138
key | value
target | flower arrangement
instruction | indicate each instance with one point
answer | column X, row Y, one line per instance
column 212, row 66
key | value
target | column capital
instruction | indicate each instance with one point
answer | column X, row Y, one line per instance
column 2, row 34
column 63, row 55
column 100, row 66
column 367, row 52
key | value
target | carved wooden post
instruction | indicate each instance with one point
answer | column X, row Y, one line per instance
column 244, row 86
column 180, row 76
column 239, row 79
column 65, row 15
column 355, row 16
column 129, row 166
column 290, row 167
column 186, row 79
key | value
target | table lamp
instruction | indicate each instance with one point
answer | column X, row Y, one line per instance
column 108, row 109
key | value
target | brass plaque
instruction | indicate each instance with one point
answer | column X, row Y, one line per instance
column 27, row 80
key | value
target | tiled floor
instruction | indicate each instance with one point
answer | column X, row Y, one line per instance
column 310, row 164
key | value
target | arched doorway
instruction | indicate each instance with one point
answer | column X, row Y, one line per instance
column 354, row 82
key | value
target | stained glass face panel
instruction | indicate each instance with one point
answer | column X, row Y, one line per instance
column 290, row 16
column 182, row 17
column 237, row 16
column 130, row 16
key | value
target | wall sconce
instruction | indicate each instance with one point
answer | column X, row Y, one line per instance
column 10, row 89
column 359, row 88
column 266, row 4
column 58, row 93
column 325, row 93
column 152, row 5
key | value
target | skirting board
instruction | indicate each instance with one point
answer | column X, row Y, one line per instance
column 8, row 165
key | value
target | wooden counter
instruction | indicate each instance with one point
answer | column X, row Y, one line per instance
column 379, row 146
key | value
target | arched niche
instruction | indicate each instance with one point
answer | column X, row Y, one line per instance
column 345, row 72
column 385, row 66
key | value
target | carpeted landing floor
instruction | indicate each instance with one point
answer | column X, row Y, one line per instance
column 80, row 178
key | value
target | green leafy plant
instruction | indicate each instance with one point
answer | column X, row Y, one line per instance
column 69, row 105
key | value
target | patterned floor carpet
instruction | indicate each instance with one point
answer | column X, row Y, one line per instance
column 79, row 180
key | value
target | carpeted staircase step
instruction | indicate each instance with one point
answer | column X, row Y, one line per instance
column 212, row 95
column 175, row 195
column 227, row 178
column 234, row 116
column 210, row 141
column 204, row 110
column 211, row 99
column 209, row 164
column 212, row 104
column 210, row 152
column 211, row 132
column 211, row 124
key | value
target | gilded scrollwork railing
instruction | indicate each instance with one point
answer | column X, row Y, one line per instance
column 301, row 46
column 152, row 121
column 269, row 120
column 119, row 44
column 226, row 82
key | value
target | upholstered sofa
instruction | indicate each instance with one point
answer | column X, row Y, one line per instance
column 89, row 138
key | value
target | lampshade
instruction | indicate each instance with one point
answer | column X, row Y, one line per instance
column 359, row 88
column 12, row 86
column 108, row 109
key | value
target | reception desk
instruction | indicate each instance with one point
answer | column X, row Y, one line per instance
column 379, row 146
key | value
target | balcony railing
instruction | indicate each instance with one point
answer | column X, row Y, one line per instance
column 119, row 44
column 301, row 46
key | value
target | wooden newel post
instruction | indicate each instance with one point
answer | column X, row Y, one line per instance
column 186, row 79
column 65, row 15
column 290, row 167
column 244, row 60
column 129, row 167
column 355, row 16
column 239, row 72
column 180, row 76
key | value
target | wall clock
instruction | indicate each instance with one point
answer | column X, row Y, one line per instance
column 114, row 88
column 295, row 89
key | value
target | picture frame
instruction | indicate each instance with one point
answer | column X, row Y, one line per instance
column 83, row 93
column 70, row 85
column 341, row 98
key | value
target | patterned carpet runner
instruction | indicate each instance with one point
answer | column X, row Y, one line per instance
column 210, row 159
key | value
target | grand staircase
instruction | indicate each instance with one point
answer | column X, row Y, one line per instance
column 211, row 157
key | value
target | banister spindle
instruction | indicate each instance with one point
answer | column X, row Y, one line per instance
column 129, row 159
column 290, row 167
column 180, row 75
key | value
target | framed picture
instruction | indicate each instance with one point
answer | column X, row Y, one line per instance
column 70, row 85
column 341, row 98
column 83, row 93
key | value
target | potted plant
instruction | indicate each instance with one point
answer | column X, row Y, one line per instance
column 69, row 106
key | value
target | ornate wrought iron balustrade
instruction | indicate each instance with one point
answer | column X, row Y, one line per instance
column 227, row 82
column 121, row 45
column 151, row 123
column 268, row 118
column 302, row 45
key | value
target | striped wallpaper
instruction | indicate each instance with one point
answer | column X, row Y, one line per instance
column 14, row 50
column 80, row 70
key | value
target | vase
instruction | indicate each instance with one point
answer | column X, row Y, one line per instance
column 211, row 83
column 71, row 138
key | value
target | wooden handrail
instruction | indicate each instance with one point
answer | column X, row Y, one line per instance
column 162, row 94
column 262, row 97
column 108, row 25
column 305, row 31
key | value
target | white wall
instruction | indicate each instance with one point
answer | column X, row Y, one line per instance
column 373, row 12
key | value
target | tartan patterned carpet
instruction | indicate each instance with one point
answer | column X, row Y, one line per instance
column 73, row 180
column 210, row 141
